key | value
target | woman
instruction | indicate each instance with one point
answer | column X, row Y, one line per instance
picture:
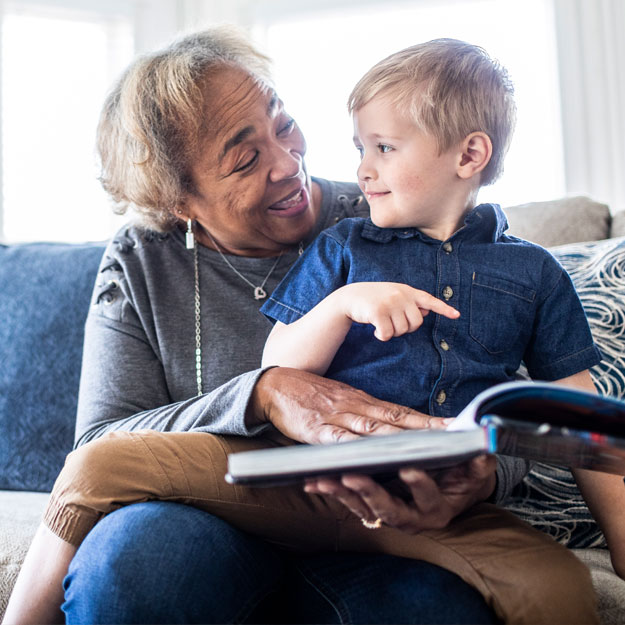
column 196, row 140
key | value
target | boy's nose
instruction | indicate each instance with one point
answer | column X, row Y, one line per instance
column 365, row 171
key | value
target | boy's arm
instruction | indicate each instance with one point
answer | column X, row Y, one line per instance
column 604, row 493
column 311, row 342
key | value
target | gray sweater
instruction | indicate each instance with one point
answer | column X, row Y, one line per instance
column 138, row 367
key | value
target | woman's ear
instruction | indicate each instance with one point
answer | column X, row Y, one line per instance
column 180, row 211
column 476, row 151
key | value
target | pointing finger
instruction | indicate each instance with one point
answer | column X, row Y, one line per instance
column 429, row 302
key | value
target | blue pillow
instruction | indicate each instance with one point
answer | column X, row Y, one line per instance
column 45, row 290
column 548, row 497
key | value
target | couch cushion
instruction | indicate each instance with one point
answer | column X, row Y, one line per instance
column 44, row 301
column 558, row 222
column 609, row 586
column 548, row 497
column 20, row 514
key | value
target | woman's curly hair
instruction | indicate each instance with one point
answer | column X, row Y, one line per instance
column 153, row 121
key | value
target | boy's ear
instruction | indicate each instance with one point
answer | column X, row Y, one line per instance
column 476, row 151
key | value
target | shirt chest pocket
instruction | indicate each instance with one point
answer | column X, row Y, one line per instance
column 501, row 314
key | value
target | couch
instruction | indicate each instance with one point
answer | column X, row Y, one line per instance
column 45, row 290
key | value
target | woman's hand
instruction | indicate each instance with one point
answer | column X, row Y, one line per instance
column 311, row 409
column 434, row 498
column 391, row 307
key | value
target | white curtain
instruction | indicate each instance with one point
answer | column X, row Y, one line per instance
column 591, row 50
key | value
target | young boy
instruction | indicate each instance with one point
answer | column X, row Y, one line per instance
column 432, row 124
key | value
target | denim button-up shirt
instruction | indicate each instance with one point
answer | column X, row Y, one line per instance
column 517, row 304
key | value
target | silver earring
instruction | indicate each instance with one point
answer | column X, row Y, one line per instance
column 190, row 239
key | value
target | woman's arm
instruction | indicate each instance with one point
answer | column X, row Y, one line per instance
column 124, row 387
column 311, row 342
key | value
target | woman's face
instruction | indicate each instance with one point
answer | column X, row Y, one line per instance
column 251, row 189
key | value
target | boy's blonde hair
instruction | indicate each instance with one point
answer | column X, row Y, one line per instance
column 451, row 89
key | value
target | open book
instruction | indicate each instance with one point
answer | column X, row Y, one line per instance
column 539, row 421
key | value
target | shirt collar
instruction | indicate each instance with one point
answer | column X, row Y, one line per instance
column 485, row 222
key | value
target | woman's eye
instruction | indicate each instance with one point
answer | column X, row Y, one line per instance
column 246, row 164
column 361, row 151
column 286, row 129
column 384, row 148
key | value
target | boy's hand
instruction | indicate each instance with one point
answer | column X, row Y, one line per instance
column 393, row 308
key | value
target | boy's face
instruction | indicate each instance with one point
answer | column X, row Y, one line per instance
column 404, row 178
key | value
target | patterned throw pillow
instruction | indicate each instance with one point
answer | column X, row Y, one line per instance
column 548, row 498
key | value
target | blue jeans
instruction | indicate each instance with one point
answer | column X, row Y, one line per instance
column 162, row 562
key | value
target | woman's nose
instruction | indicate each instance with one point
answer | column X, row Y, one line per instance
column 287, row 164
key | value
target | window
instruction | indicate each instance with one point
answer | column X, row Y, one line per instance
column 59, row 58
column 343, row 43
column 57, row 63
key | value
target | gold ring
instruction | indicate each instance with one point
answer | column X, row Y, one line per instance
column 372, row 525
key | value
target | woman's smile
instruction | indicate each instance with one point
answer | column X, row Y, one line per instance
column 292, row 205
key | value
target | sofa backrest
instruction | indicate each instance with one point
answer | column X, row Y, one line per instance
column 45, row 290
column 562, row 221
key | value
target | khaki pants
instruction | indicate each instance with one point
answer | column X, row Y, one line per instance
column 523, row 574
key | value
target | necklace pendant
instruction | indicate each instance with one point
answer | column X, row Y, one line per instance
column 260, row 293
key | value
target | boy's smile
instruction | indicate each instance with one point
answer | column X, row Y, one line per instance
column 373, row 194
column 405, row 179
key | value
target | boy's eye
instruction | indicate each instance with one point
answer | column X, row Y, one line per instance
column 384, row 148
column 361, row 151
column 246, row 164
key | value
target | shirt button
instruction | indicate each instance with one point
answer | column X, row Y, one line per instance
column 448, row 247
column 444, row 345
column 448, row 292
column 441, row 397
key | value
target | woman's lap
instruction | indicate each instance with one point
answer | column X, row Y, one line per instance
column 161, row 562
column 365, row 588
column 170, row 563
